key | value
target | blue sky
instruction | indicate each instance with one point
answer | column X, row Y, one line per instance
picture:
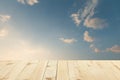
column 59, row 29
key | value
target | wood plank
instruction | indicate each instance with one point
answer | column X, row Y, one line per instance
column 27, row 72
column 16, row 71
column 6, row 69
column 85, row 71
column 108, row 70
column 39, row 71
column 50, row 73
column 62, row 72
column 74, row 73
column 3, row 64
column 116, row 64
column 115, row 69
column 97, row 70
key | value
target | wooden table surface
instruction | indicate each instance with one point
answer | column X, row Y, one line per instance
column 60, row 70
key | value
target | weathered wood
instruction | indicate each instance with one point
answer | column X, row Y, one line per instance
column 15, row 72
column 27, row 72
column 39, row 71
column 60, row 70
column 85, row 71
column 74, row 73
column 50, row 72
column 108, row 70
column 3, row 64
column 6, row 69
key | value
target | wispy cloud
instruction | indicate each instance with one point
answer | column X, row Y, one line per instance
column 88, row 10
column 85, row 15
column 115, row 49
column 75, row 17
column 96, row 50
column 4, row 18
column 3, row 32
column 68, row 41
column 29, row 2
column 88, row 38
column 95, row 23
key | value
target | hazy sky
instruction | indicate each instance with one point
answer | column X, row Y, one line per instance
column 59, row 29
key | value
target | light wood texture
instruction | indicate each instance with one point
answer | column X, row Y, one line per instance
column 6, row 69
column 51, row 69
column 27, row 71
column 39, row 71
column 60, row 70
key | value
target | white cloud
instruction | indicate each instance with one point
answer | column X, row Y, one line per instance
column 88, row 38
column 115, row 49
column 68, row 41
column 3, row 32
column 92, row 46
column 29, row 2
column 96, row 50
column 95, row 23
column 85, row 15
column 4, row 18
column 76, row 19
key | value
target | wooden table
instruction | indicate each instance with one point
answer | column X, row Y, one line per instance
column 60, row 70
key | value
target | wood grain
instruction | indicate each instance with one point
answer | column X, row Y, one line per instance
column 60, row 70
